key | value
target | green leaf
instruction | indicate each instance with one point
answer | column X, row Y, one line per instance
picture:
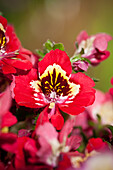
column 81, row 147
column 82, row 51
column 59, row 46
column 40, row 53
column 85, row 59
column 48, row 46
column 76, row 44
column 98, row 118
column 49, row 42
column 95, row 80
column 1, row 13
column 35, row 120
column 91, row 123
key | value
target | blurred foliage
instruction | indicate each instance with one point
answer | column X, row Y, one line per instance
column 35, row 21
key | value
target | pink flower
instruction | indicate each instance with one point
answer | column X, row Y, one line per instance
column 111, row 89
column 80, row 65
column 55, row 88
column 93, row 47
column 53, row 144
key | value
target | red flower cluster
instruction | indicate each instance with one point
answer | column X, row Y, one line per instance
column 50, row 124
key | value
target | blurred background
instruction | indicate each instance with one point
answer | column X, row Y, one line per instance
column 35, row 21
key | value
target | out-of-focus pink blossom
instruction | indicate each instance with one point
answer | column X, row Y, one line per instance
column 53, row 144
column 80, row 65
column 111, row 89
column 103, row 106
column 99, row 161
column 93, row 47
column 5, row 101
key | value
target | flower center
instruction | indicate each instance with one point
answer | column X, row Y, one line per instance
column 55, row 85
column 2, row 41
column 2, row 38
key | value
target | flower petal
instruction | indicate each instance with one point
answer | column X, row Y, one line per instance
column 8, row 119
column 57, row 120
column 20, row 64
column 3, row 21
column 82, row 36
column 24, row 97
column 7, row 69
column 4, row 106
column 55, row 57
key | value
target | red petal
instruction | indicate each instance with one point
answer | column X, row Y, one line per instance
column 19, row 155
column 86, row 95
column 57, row 120
column 20, row 64
column 43, row 117
column 85, row 82
column 111, row 91
column 7, row 69
column 73, row 110
column 57, row 56
column 96, row 144
column 24, row 97
column 65, row 162
column 8, row 141
column 112, row 81
column 3, row 21
column 82, row 36
column 5, row 102
column 13, row 42
column 8, row 120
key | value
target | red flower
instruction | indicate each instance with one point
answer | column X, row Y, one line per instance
column 96, row 144
column 56, row 88
column 19, row 152
column 9, row 46
column 26, row 157
column 94, row 46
